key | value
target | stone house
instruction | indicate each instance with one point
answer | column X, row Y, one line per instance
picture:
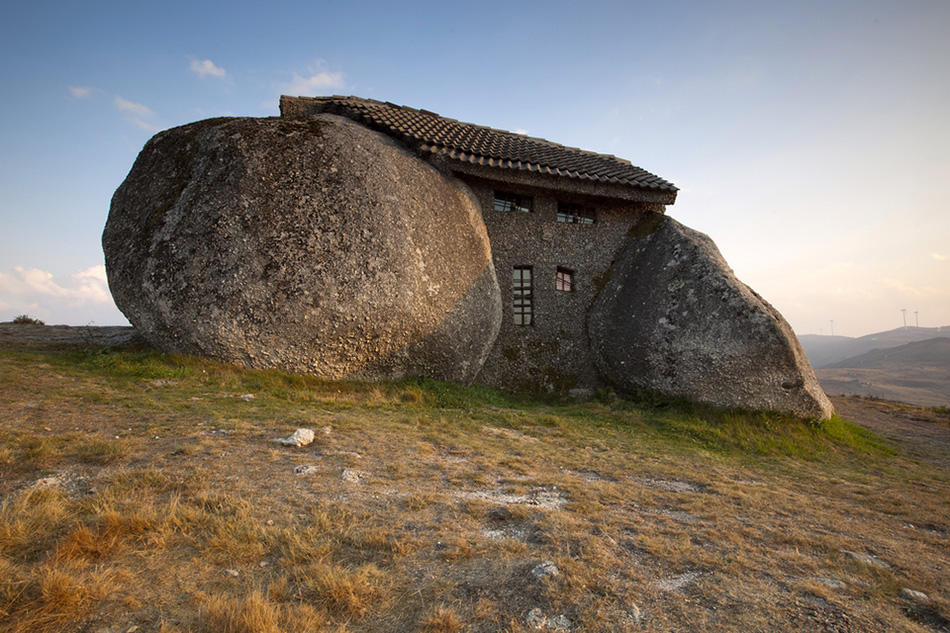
column 556, row 217
column 350, row 238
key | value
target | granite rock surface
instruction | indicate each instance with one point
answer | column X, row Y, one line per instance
column 673, row 319
column 312, row 245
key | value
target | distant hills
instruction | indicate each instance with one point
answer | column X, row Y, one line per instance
column 907, row 364
column 823, row 351
column 934, row 352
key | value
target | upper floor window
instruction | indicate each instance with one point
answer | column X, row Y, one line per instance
column 575, row 213
column 507, row 201
column 564, row 280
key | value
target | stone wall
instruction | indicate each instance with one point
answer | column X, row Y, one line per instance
column 554, row 353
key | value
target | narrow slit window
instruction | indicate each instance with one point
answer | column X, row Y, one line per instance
column 575, row 213
column 523, row 297
column 564, row 280
column 508, row 202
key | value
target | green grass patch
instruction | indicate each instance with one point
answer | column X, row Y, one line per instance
column 680, row 426
column 130, row 366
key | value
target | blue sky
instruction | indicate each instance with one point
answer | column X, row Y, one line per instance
column 810, row 140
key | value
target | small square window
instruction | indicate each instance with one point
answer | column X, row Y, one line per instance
column 564, row 280
column 575, row 213
column 506, row 201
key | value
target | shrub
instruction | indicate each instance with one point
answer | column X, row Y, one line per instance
column 27, row 319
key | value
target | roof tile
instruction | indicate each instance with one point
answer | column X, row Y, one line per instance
column 481, row 145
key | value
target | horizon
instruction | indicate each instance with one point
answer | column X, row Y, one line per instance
column 938, row 328
column 809, row 142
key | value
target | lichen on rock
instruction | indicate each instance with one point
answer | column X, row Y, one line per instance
column 674, row 319
column 311, row 245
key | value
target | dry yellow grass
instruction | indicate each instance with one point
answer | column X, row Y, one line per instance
column 137, row 491
column 442, row 619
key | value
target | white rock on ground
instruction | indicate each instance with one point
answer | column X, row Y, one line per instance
column 914, row 596
column 678, row 582
column 867, row 559
column 537, row 620
column 547, row 568
column 300, row 437
column 635, row 614
column 352, row 476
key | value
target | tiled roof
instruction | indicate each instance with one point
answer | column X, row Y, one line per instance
column 479, row 145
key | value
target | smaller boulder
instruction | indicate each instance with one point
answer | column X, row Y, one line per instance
column 673, row 319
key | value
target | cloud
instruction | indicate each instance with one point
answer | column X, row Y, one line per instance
column 80, row 92
column 828, row 272
column 314, row 84
column 938, row 257
column 33, row 286
column 922, row 290
column 206, row 68
column 132, row 108
column 136, row 114
column 79, row 298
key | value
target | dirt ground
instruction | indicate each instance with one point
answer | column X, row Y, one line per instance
column 472, row 520
column 925, row 386
column 28, row 336
column 922, row 432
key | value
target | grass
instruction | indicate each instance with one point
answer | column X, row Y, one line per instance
column 144, row 490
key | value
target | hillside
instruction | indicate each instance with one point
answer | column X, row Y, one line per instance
column 146, row 492
column 932, row 353
column 917, row 373
column 823, row 351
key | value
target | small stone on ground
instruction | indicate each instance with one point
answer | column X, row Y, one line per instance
column 678, row 582
column 914, row 596
column 300, row 437
column 547, row 568
column 352, row 476
column 867, row 559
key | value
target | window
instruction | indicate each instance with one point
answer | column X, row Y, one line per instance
column 575, row 213
column 564, row 280
column 506, row 201
column 523, row 298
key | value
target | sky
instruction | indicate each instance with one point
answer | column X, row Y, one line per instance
column 809, row 139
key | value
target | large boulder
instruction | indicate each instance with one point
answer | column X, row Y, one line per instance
column 673, row 319
column 312, row 245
